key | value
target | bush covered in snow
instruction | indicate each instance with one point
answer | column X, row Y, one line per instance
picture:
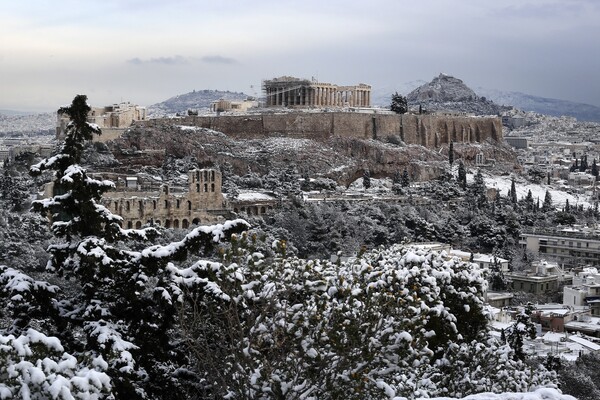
column 397, row 322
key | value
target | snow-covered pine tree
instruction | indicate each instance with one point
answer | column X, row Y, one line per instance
column 397, row 179
column 513, row 192
column 121, row 305
column 478, row 189
column 462, row 175
column 522, row 328
column 366, row 179
column 399, row 104
column 405, row 178
column 547, row 205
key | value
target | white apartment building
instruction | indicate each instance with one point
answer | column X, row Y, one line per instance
column 569, row 248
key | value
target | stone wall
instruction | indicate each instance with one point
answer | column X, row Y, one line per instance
column 428, row 130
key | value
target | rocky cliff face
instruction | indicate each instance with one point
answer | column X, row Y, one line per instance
column 342, row 159
column 447, row 93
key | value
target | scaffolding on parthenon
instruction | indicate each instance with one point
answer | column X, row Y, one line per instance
column 287, row 91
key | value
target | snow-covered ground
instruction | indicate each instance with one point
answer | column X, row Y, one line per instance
column 538, row 191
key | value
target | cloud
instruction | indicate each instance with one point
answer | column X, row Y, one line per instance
column 175, row 60
column 218, row 60
column 181, row 60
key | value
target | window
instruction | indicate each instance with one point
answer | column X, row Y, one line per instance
column 212, row 187
column 212, row 175
column 206, row 187
column 177, row 203
column 197, row 188
column 166, row 203
column 127, row 206
column 189, row 207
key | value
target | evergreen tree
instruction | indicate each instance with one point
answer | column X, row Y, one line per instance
column 366, row 179
column 399, row 104
column 397, row 179
column 123, row 305
column 529, row 197
column 547, row 205
column 584, row 164
column 405, row 178
column 513, row 192
column 567, row 206
column 479, row 189
column 594, row 168
column 521, row 329
column 397, row 183
column 462, row 175
column 451, row 153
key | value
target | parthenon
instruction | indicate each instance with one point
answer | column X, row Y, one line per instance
column 287, row 91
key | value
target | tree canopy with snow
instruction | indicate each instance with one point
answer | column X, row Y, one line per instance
column 402, row 321
column 108, row 328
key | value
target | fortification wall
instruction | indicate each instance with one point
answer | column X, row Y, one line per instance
column 428, row 130
column 302, row 125
column 354, row 125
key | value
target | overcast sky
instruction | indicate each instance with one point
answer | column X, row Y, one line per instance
column 147, row 51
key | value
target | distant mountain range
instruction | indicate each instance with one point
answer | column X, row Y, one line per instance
column 543, row 105
column 194, row 100
column 522, row 101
